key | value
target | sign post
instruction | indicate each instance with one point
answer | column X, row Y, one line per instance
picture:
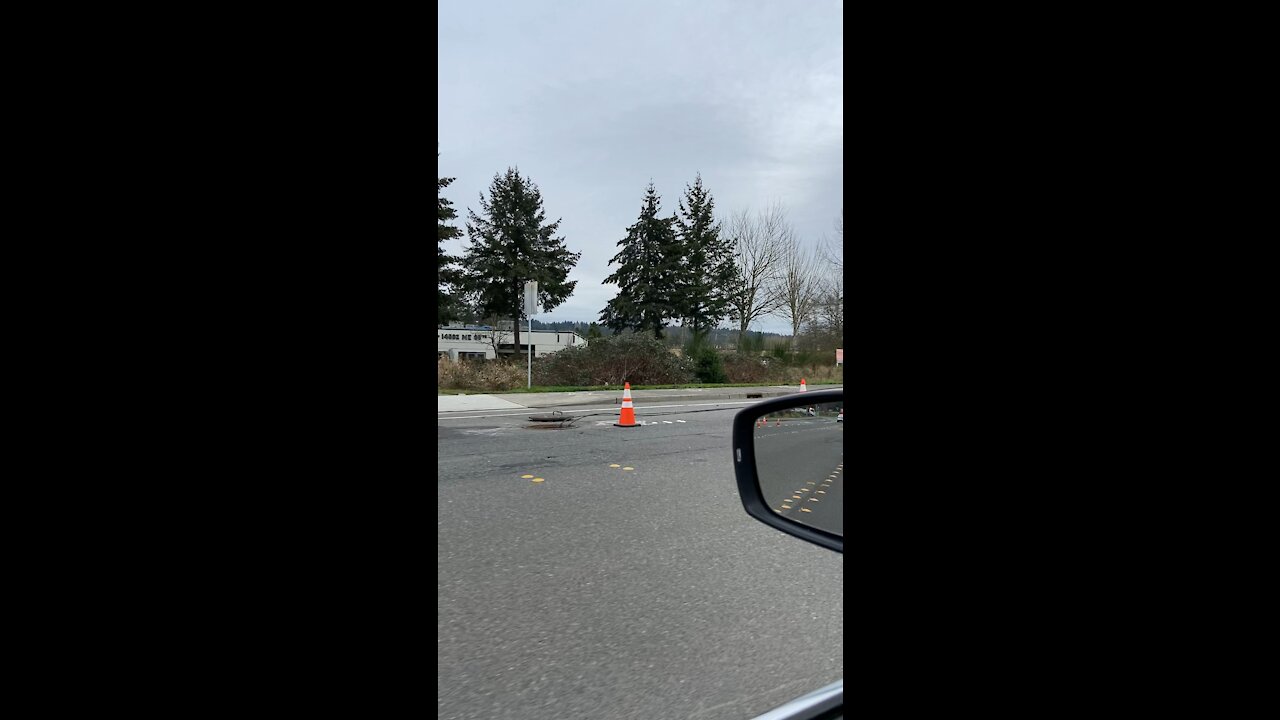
column 530, row 309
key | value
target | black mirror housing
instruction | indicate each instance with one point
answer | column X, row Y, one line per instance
column 745, row 428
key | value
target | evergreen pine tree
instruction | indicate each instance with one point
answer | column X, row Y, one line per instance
column 647, row 266
column 705, row 282
column 510, row 243
column 446, row 275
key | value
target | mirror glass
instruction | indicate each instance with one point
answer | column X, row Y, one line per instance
column 800, row 464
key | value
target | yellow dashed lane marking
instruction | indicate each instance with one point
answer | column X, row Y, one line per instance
column 615, row 465
column 822, row 492
column 814, row 499
column 538, row 479
column 805, row 510
column 628, row 468
column 525, row 477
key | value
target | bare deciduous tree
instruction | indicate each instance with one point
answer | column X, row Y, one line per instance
column 500, row 335
column 833, row 250
column 827, row 326
column 829, row 315
column 759, row 243
column 799, row 286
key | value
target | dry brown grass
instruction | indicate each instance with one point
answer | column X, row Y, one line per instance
column 506, row 375
column 748, row 369
column 480, row 375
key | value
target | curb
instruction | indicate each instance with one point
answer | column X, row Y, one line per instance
column 537, row 401
column 666, row 398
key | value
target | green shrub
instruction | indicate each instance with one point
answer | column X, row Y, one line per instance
column 636, row 358
column 804, row 359
column 707, row 363
column 751, row 342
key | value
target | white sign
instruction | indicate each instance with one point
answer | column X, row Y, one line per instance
column 531, row 298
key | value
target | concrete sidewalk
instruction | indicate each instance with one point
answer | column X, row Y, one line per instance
column 517, row 401
column 462, row 403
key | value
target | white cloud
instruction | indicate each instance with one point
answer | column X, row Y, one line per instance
column 592, row 100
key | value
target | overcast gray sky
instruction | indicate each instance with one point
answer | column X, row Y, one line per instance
column 591, row 100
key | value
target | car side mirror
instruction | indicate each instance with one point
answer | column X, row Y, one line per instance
column 788, row 456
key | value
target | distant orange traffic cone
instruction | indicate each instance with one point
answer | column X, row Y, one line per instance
column 802, row 387
column 627, row 418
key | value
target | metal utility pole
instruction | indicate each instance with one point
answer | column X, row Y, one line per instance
column 530, row 309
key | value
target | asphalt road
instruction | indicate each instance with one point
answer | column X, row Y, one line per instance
column 621, row 578
column 800, row 463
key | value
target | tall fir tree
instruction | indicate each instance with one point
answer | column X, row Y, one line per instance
column 647, row 266
column 510, row 243
column 446, row 275
column 704, row 286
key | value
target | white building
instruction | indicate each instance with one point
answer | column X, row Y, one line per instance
column 482, row 341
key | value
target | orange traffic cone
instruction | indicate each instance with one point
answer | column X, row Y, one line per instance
column 802, row 387
column 627, row 418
